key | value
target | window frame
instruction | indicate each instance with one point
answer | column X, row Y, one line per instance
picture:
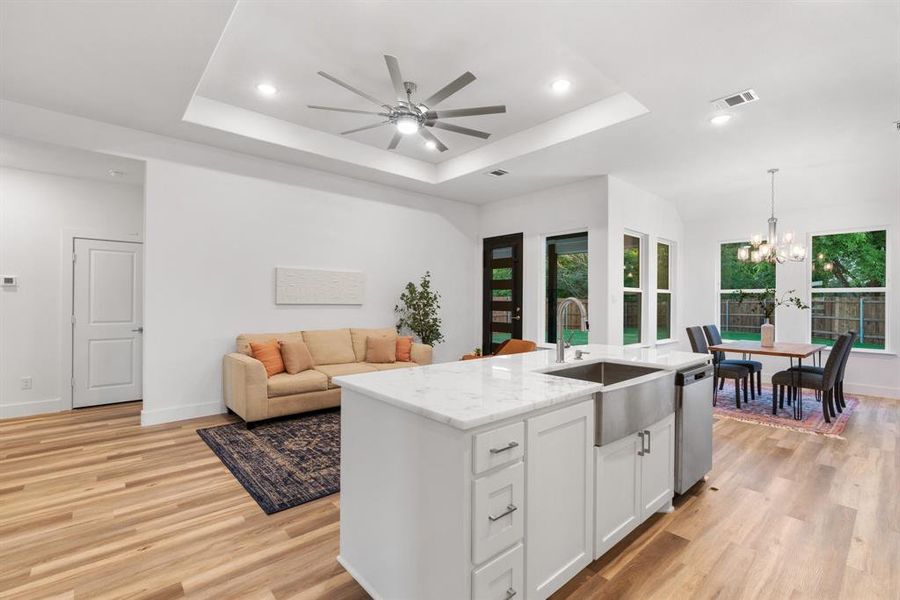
column 642, row 283
column 720, row 290
column 670, row 290
column 886, row 290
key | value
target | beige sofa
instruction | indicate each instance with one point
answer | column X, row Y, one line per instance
column 255, row 397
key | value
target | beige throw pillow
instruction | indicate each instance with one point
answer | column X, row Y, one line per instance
column 296, row 356
column 381, row 350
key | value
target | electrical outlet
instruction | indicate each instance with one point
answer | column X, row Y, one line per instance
column 26, row 383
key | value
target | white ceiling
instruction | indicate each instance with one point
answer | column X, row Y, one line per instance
column 73, row 162
column 828, row 75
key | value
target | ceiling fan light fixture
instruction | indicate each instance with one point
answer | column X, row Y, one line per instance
column 407, row 124
column 266, row 89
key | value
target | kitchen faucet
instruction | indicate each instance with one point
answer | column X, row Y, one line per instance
column 560, row 338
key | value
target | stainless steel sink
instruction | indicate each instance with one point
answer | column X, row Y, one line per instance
column 634, row 398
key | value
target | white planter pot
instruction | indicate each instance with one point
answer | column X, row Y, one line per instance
column 767, row 334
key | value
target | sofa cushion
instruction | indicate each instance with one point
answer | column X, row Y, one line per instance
column 269, row 354
column 296, row 356
column 404, row 346
column 285, row 384
column 393, row 365
column 344, row 369
column 359, row 337
column 242, row 343
column 330, row 346
column 381, row 350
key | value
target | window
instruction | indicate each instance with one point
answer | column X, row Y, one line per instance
column 567, row 276
column 741, row 320
column 632, row 282
column 848, row 287
column 663, row 291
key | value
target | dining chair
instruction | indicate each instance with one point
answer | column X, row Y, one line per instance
column 795, row 381
column 840, row 402
column 721, row 372
column 754, row 366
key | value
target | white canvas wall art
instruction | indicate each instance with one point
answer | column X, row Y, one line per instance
column 295, row 285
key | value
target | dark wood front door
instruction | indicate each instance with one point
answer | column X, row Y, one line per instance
column 502, row 290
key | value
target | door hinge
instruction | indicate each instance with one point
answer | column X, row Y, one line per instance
column 73, row 319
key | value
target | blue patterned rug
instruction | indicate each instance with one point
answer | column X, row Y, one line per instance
column 282, row 463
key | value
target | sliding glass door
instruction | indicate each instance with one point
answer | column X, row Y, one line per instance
column 567, row 276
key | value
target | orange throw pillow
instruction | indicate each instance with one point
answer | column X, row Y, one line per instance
column 296, row 356
column 404, row 348
column 269, row 354
column 380, row 350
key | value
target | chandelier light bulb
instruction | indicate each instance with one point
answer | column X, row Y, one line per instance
column 407, row 125
column 798, row 253
column 788, row 237
column 757, row 239
column 744, row 253
column 764, row 249
column 754, row 256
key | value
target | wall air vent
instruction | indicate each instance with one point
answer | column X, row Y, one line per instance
column 498, row 173
column 735, row 100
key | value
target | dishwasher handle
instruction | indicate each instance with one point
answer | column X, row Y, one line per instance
column 695, row 375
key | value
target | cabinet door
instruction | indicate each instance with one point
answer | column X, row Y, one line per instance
column 500, row 579
column 559, row 496
column 658, row 467
column 617, row 478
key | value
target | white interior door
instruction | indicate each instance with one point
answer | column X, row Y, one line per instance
column 107, row 322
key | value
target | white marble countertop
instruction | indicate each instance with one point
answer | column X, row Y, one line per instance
column 471, row 393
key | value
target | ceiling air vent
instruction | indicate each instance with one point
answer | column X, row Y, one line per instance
column 498, row 173
column 735, row 100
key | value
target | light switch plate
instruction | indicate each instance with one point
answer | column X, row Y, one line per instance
column 26, row 383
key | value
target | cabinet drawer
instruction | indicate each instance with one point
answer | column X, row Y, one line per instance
column 502, row 578
column 498, row 513
column 498, row 447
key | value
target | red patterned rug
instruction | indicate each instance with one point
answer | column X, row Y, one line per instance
column 760, row 411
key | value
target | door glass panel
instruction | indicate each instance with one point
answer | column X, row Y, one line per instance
column 567, row 276
column 631, row 333
column 502, row 252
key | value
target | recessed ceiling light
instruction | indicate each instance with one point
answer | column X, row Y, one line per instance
column 431, row 145
column 720, row 119
column 561, row 86
column 115, row 173
column 266, row 89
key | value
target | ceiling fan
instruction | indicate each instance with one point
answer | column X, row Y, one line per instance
column 411, row 117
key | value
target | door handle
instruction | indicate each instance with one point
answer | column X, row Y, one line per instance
column 138, row 330
column 518, row 316
column 641, row 435
column 647, row 431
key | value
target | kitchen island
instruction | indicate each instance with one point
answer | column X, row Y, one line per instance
column 479, row 479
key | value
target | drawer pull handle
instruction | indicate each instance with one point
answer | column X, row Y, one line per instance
column 510, row 508
column 510, row 593
column 509, row 446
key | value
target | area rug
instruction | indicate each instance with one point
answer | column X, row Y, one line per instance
column 760, row 411
column 282, row 463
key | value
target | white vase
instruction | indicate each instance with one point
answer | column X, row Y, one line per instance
column 767, row 335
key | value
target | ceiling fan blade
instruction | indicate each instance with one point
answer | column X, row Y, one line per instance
column 457, row 129
column 449, row 89
column 430, row 137
column 396, row 78
column 395, row 140
column 431, row 115
column 356, row 91
column 373, row 126
column 346, row 110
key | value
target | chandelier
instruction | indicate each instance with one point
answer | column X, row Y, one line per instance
column 772, row 250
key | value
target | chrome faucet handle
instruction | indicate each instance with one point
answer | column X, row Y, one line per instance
column 579, row 353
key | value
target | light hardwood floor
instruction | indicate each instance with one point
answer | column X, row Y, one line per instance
column 94, row 506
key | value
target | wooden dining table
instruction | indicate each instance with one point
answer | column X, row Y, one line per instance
column 791, row 350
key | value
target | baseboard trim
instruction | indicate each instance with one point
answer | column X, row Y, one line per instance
column 865, row 389
column 181, row 413
column 27, row 409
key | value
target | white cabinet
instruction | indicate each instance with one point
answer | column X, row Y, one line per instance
column 658, row 467
column 497, row 518
column 634, row 478
column 502, row 578
column 559, row 496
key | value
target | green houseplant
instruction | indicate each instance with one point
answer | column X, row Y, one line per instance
column 418, row 309
column 768, row 302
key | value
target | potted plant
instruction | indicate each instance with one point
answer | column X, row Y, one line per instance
column 418, row 311
column 768, row 302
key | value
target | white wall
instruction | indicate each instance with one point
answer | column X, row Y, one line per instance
column 867, row 372
column 572, row 208
column 37, row 210
column 214, row 238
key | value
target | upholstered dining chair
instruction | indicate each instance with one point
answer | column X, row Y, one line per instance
column 510, row 346
column 794, row 381
column 754, row 366
column 839, row 402
column 721, row 371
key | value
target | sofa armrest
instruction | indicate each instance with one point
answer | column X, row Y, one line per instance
column 420, row 354
column 245, row 386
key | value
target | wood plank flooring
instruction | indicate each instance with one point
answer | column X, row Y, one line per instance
column 94, row 506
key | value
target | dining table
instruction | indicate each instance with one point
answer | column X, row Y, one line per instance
column 790, row 350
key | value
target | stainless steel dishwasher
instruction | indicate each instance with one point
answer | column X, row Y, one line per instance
column 693, row 425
